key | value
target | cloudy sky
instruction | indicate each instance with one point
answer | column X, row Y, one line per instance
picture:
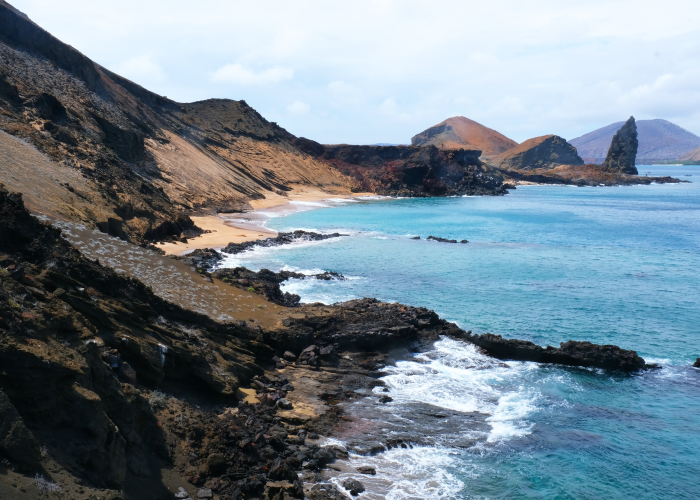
column 381, row 71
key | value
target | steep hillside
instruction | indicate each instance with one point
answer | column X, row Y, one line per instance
column 126, row 159
column 460, row 132
column 693, row 156
column 547, row 151
column 659, row 140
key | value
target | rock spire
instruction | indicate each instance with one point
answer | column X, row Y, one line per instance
column 623, row 149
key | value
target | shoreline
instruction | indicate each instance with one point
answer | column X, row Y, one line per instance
column 228, row 228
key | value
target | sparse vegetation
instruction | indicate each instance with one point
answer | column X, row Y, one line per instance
column 157, row 400
column 44, row 486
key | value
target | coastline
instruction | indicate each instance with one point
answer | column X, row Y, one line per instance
column 228, row 228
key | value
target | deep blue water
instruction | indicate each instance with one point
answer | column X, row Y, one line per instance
column 616, row 265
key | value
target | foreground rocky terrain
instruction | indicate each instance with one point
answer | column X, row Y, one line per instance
column 109, row 391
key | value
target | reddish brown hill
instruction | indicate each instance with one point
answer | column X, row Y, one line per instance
column 462, row 133
column 546, row 151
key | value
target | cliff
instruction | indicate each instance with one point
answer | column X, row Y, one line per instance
column 547, row 151
column 623, row 150
column 112, row 154
column 460, row 132
column 411, row 170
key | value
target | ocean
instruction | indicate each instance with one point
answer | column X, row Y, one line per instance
column 612, row 265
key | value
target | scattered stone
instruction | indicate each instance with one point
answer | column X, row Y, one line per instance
column 366, row 469
column 697, row 363
column 338, row 450
column 181, row 493
column 289, row 356
column 385, row 399
column 205, row 493
column 284, row 404
column 353, row 486
column 313, row 435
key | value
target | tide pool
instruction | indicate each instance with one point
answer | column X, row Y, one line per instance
column 617, row 265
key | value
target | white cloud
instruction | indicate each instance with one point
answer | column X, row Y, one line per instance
column 298, row 108
column 140, row 68
column 237, row 74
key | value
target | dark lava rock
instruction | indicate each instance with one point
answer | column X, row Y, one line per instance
column 325, row 491
column 16, row 440
column 570, row 353
column 353, row 486
column 623, row 150
column 697, row 363
column 385, row 399
column 282, row 490
column 280, row 239
column 366, row 469
column 444, row 240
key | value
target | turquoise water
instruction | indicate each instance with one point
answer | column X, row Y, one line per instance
column 616, row 265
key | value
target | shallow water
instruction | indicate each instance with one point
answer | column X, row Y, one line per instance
column 614, row 265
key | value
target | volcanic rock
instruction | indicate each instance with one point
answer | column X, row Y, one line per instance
column 16, row 441
column 353, row 486
column 623, row 150
column 697, row 363
column 570, row 353
column 547, row 151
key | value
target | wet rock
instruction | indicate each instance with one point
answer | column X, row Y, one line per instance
column 325, row 491
column 353, row 486
column 385, row 399
column 338, row 450
column 280, row 239
column 623, row 150
column 569, row 353
column 441, row 240
column 281, row 470
column 366, row 469
column 697, row 363
column 324, row 456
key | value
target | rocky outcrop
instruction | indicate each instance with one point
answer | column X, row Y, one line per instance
column 414, row 171
column 585, row 175
column 623, row 150
column 16, row 441
column 569, row 353
column 280, row 239
column 548, row 151
column 462, row 133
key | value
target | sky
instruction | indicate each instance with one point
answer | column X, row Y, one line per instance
column 365, row 72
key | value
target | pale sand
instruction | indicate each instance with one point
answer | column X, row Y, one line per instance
column 224, row 231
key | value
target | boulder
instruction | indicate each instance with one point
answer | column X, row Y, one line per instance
column 623, row 150
column 697, row 363
column 366, row 469
column 216, row 463
column 282, row 490
column 353, row 486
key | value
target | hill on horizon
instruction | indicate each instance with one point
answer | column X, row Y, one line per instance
column 658, row 140
column 459, row 132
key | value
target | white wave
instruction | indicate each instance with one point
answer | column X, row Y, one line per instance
column 455, row 376
column 403, row 474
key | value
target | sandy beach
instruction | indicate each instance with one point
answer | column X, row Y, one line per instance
column 228, row 228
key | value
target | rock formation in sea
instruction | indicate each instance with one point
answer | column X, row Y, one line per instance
column 659, row 141
column 623, row 150
column 459, row 132
column 547, row 151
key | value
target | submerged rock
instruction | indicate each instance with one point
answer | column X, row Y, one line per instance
column 353, row 486
column 623, row 149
